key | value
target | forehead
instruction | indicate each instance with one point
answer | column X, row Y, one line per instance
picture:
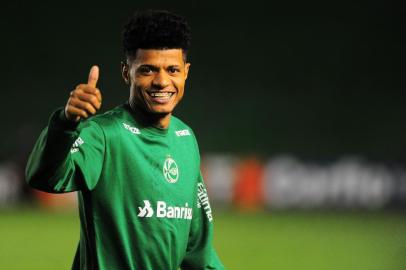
column 159, row 57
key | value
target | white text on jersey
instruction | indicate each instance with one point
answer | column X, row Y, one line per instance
column 75, row 147
column 165, row 211
column 183, row 132
column 133, row 130
column 203, row 200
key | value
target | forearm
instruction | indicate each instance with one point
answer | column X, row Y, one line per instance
column 49, row 159
column 200, row 253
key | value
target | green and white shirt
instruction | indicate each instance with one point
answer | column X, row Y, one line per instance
column 142, row 201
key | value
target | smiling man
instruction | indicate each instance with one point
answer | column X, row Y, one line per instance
column 157, row 81
column 142, row 200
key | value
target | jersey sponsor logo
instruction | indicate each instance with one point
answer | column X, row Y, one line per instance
column 162, row 210
column 183, row 132
column 170, row 170
column 133, row 130
column 146, row 211
column 75, row 146
column 203, row 201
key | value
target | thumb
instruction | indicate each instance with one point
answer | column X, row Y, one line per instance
column 93, row 76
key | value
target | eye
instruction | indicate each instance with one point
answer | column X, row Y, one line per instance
column 173, row 70
column 145, row 70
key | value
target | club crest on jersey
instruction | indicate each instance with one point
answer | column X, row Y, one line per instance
column 170, row 170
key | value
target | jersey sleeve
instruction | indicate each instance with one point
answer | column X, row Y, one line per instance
column 200, row 253
column 67, row 156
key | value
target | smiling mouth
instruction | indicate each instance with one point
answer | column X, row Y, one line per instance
column 160, row 94
column 160, row 97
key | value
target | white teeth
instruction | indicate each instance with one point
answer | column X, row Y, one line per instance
column 160, row 94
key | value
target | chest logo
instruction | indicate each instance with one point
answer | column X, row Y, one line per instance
column 170, row 170
column 133, row 130
column 146, row 211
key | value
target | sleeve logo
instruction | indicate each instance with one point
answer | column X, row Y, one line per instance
column 75, row 147
column 203, row 201
column 183, row 132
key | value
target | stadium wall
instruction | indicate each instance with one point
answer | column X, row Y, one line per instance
column 248, row 183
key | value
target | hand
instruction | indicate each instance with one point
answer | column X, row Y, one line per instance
column 85, row 100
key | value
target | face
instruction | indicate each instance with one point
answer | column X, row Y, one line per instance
column 157, row 79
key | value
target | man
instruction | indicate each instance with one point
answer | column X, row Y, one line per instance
column 142, row 200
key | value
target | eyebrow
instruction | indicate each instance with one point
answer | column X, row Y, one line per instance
column 155, row 68
column 152, row 67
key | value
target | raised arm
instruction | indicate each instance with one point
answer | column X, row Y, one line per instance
column 69, row 154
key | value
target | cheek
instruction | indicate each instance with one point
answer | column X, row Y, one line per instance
column 138, row 86
column 180, row 93
column 179, row 84
column 136, row 92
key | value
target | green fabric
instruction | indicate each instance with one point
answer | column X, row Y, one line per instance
column 119, row 169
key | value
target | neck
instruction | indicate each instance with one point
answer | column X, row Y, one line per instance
column 151, row 119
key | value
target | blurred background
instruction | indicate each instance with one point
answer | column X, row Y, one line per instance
column 298, row 107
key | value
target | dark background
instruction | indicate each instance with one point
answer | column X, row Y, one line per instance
column 318, row 79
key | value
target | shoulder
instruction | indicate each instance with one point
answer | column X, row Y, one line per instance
column 181, row 128
column 176, row 122
column 104, row 123
column 108, row 118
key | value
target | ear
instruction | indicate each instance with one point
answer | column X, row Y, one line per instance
column 125, row 72
column 187, row 66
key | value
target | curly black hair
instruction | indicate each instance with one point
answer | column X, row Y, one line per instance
column 155, row 29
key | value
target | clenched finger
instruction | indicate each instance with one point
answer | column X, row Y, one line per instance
column 89, row 90
column 73, row 111
column 91, row 98
column 83, row 105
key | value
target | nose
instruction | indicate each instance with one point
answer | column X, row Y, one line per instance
column 161, row 80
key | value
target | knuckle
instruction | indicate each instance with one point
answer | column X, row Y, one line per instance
column 93, row 99
column 72, row 101
column 89, row 107
column 79, row 88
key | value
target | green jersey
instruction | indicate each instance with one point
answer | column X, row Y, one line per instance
column 142, row 201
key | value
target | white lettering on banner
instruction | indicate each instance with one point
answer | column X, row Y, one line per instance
column 165, row 211
column 350, row 182
column 203, row 200
column 10, row 184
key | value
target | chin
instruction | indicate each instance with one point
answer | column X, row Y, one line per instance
column 163, row 112
column 161, row 109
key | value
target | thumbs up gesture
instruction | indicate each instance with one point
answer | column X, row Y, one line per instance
column 85, row 100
